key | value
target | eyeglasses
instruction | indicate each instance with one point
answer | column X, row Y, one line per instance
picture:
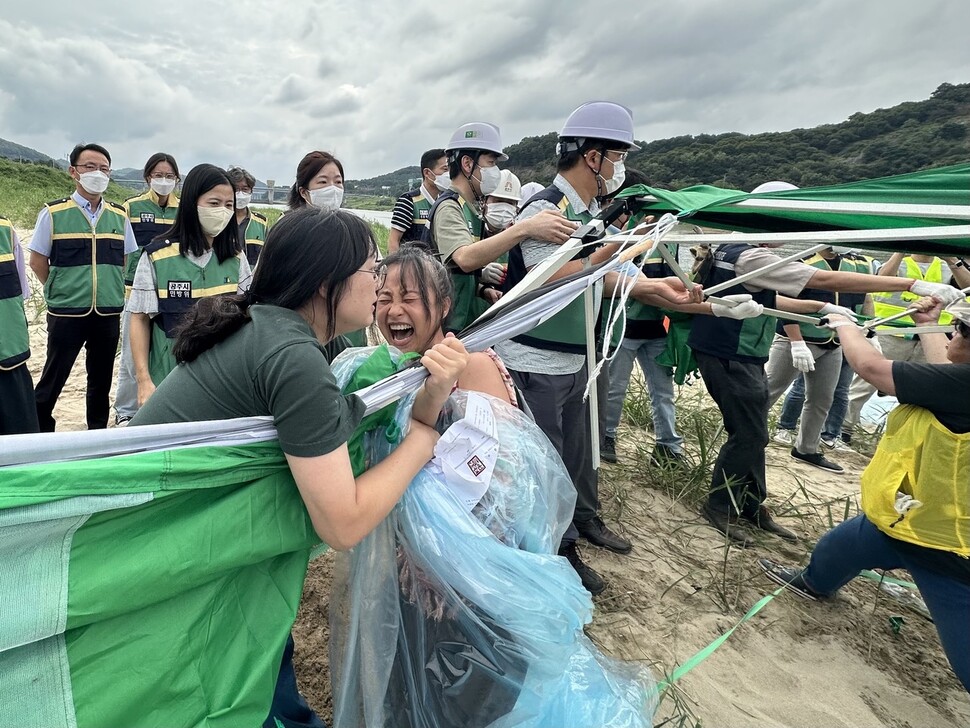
column 620, row 156
column 379, row 273
column 92, row 167
column 168, row 177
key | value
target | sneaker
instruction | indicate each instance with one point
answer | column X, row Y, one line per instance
column 817, row 460
column 764, row 520
column 784, row 437
column 663, row 457
column 122, row 420
column 726, row 523
column 834, row 443
column 599, row 534
column 608, row 450
column 792, row 579
column 592, row 582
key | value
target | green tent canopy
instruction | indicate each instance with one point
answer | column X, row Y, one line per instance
column 864, row 205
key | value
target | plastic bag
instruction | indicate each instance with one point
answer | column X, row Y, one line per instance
column 443, row 617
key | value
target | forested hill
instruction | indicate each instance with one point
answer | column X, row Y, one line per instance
column 911, row 136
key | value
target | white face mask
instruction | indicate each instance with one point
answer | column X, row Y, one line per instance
column 443, row 181
column 214, row 219
column 243, row 199
column 94, row 183
column 491, row 176
column 163, row 187
column 327, row 198
column 499, row 215
column 614, row 183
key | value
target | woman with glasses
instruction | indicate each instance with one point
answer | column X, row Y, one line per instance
column 198, row 256
column 264, row 353
column 916, row 489
column 150, row 214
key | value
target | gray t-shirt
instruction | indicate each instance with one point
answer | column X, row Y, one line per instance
column 524, row 358
column 789, row 279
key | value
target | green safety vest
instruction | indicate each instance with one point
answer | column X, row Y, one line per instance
column 14, row 340
column 466, row 306
column 148, row 220
column 254, row 235
column 422, row 212
column 566, row 331
column 86, row 261
column 892, row 302
column 849, row 264
column 180, row 284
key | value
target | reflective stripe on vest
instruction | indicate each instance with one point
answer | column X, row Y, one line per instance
column 892, row 302
column 14, row 338
column 745, row 341
column 86, row 261
column 921, row 458
column 419, row 221
column 148, row 220
column 255, row 237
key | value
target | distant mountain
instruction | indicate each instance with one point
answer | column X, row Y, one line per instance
column 397, row 181
column 20, row 153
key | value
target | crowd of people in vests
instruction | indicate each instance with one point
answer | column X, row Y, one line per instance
column 219, row 316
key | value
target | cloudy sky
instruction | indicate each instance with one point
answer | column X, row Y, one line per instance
column 376, row 82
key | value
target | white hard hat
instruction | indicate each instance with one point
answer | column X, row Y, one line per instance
column 529, row 190
column 773, row 186
column 478, row 135
column 960, row 310
column 600, row 120
column 509, row 188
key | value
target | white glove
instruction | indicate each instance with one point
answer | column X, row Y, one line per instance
column 947, row 294
column 745, row 309
column 493, row 274
column 840, row 310
column 801, row 357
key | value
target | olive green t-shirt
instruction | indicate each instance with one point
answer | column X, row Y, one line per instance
column 272, row 366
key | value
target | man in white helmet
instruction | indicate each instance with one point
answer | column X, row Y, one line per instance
column 456, row 230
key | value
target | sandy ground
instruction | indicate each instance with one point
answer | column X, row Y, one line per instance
column 794, row 664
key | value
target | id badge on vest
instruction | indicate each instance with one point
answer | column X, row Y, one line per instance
column 180, row 289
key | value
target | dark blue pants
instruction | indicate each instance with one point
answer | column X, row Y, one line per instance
column 857, row 544
column 289, row 709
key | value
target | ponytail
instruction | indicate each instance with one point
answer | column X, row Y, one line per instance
column 211, row 320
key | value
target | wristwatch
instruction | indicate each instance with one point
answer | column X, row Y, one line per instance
column 961, row 263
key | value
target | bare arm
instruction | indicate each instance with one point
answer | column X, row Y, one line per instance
column 797, row 305
column 960, row 273
column 445, row 362
column 868, row 363
column 394, row 240
column 793, row 332
column 891, row 266
column 41, row 265
column 481, row 375
column 548, row 225
column 837, row 280
column 344, row 509
column 139, row 336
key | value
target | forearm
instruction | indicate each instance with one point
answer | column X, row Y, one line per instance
column 891, row 266
column 139, row 336
column 934, row 348
column 961, row 276
column 394, row 240
column 798, row 305
column 477, row 255
column 41, row 266
column 844, row 281
column 427, row 405
column 865, row 360
column 793, row 332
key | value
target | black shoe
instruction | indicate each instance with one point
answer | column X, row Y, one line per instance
column 592, row 582
column 599, row 534
column 763, row 520
column 792, row 579
column 817, row 460
column 608, row 450
column 726, row 523
column 663, row 457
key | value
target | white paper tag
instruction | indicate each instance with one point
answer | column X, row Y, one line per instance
column 468, row 450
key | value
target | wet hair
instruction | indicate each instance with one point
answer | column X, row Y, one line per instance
column 430, row 158
column 76, row 152
column 239, row 176
column 308, row 168
column 427, row 275
column 305, row 250
column 187, row 230
column 153, row 162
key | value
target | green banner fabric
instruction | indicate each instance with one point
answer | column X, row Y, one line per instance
column 714, row 207
column 184, row 599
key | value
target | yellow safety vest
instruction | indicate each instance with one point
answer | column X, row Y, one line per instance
column 892, row 302
column 919, row 457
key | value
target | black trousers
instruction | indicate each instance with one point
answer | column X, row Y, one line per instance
column 65, row 337
column 740, row 390
column 556, row 401
column 18, row 414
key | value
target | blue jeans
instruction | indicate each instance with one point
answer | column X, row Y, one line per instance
column 660, row 384
column 795, row 400
column 289, row 709
column 857, row 544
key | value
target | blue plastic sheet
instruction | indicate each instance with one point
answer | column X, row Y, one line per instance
column 444, row 618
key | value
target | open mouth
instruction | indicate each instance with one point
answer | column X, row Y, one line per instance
column 401, row 334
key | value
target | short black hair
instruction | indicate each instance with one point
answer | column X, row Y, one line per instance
column 568, row 160
column 430, row 158
column 239, row 175
column 154, row 160
column 76, row 152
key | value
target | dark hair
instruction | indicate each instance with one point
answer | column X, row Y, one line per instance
column 76, row 152
column 239, row 175
column 427, row 274
column 430, row 158
column 568, row 160
column 154, row 160
column 308, row 168
column 187, row 230
column 631, row 178
column 306, row 249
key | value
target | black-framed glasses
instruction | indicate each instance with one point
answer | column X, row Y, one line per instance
column 92, row 167
column 379, row 273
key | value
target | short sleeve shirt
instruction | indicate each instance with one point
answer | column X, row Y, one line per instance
column 789, row 279
column 272, row 366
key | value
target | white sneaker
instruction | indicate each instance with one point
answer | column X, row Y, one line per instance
column 835, row 444
column 784, row 437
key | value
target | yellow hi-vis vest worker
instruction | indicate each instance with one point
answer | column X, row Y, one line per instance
column 921, row 458
column 892, row 302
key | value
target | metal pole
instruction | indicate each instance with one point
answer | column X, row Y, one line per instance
column 912, row 309
column 594, row 422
